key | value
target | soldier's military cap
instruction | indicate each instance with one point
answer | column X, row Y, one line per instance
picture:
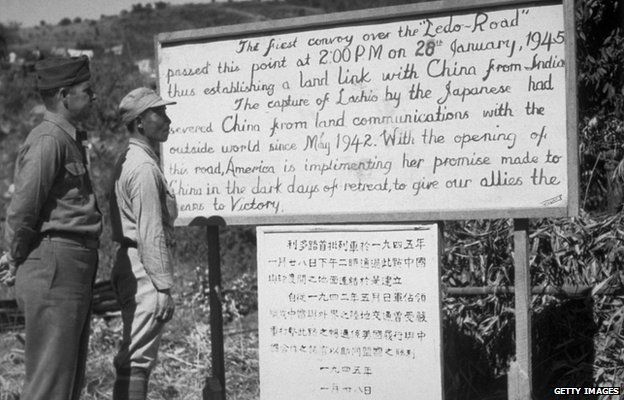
column 139, row 100
column 55, row 73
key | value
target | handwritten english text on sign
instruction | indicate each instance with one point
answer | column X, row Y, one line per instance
column 441, row 114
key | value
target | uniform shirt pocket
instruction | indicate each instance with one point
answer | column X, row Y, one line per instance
column 76, row 169
column 171, row 204
column 75, row 180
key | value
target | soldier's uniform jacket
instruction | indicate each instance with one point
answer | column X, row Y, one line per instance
column 53, row 192
column 143, row 209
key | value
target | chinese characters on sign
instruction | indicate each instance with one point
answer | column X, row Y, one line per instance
column 349, row 312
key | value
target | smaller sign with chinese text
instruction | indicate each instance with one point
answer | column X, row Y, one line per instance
column 349, row 312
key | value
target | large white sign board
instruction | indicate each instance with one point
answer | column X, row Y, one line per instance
column 349, row 312
column 399, row 114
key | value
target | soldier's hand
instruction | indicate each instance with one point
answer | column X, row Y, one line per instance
column 7, row 270
column 164, row 306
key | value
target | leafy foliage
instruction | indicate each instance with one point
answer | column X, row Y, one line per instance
column 600, row 53
column 574, row 340
column 600, row 28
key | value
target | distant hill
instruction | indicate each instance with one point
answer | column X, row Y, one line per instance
column 136, row 29
column 115, row 74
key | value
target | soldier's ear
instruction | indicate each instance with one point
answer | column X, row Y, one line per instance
column 62, row 93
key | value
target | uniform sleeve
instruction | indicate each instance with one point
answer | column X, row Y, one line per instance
column 147, row 208
column 37, row 167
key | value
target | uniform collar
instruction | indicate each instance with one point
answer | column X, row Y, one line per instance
column 146, row 148
column 61, row 122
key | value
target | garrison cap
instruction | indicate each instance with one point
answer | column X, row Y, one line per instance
column 55, row 73
column 139, row 100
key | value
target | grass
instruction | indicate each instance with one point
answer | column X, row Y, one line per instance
column 184, row 361
column 184, row 356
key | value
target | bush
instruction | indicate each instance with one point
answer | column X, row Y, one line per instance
column 140, row 8
column 601, row 101
column 600, row 51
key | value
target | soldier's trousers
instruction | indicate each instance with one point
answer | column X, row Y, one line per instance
column 142, row 332
column 54, row 288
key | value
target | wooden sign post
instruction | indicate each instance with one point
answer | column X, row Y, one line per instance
column 423, row 112
column 520, row 377
column 214, row 388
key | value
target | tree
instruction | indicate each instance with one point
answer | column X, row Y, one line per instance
column 600, row 50
column 600, row 55
column 65, row 21
column 8, row 35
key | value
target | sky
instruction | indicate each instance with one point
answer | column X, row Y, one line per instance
column 31, row 12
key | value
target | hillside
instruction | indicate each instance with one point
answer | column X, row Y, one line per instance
column 136, row 29
column 132, row 31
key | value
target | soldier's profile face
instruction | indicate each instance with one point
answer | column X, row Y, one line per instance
column 156, row 124
column 79, row 99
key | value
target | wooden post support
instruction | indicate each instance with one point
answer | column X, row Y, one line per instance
column 520, row 376
column 214, row 388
